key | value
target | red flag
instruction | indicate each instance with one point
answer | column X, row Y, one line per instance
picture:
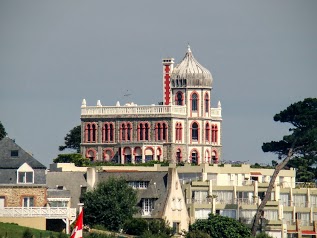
column 78, row 230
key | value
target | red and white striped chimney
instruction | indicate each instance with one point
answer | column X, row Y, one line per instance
column 168, row 64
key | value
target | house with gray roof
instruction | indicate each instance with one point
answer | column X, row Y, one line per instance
column 24, row 198
column 159, row 193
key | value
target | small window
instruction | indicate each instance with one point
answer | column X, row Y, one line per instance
column 14, row 153
column 25, row 177
column 28, row 202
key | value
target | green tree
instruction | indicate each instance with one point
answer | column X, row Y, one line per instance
column 110, row 204
column 220, row 227
column 299, row 148
column 72, row 140
column 77, row 159
column 3, row 132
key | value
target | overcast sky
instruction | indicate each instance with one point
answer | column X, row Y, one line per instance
column 262, row 55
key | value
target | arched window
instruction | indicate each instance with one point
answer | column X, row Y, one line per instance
column 206, row 103
column 194, row 157
column 125, row 131
column 195, row 131
column 137, row 155
column 144, row 131
column 149, row 154
column 194, row 102
column 214, row 157
column 108, row 132
column 90, row 132
column 161, row 131
column 178, row 131
column 214, row 134
column 179, row 98
column 108, row 154
column 91, row 154
column 207, row 132
column 129, row 131
column 178, row 156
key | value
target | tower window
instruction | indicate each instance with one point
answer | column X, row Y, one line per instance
column 195, row 131
column 194, row 102
column 207, row 132
column 179, row 99
column 194, row 156
column 214, row 133
column 206, row 103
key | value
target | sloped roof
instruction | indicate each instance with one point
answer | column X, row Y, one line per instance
column 9, row 162
column 72, row 181
column 57, row 193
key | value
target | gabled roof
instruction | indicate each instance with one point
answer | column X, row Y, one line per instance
column 14, row 162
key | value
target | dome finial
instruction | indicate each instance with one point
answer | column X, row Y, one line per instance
column 188, row 48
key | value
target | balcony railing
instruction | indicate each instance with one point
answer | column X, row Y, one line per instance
column 47, row 212
column 130, row 110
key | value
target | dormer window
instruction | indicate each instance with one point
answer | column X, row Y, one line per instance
column 14, row 153
column 139, row 184
column 25, row 174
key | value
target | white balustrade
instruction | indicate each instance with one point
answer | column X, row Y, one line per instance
column 47, row 212
column 130, row 110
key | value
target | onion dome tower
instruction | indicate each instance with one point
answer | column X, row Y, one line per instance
column 190, row 73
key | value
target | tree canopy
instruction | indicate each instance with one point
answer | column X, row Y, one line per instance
column 72, row 140
column 298, row 149
column 217, row 226
column 77, row 159
column 3, row 132
column 110, row 204
column 303, row 138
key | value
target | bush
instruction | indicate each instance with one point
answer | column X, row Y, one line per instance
column 135, row 226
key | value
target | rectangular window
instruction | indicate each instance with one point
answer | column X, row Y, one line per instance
column 28, row 201
column 58, row 203
column 176, row 227
column 14, row 153
column 147, row 206
column 25, row 177
column 139, row 184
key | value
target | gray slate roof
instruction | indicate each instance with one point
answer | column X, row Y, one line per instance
column 8, row 162
column 57, row 193
column 72, row 181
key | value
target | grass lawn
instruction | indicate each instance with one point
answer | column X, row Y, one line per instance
column 9, row 230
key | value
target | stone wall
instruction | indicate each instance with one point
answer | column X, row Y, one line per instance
column 14, row 195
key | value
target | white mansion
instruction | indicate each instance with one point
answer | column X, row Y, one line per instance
column 183, row 128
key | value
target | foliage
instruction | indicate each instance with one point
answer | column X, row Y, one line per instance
column 72, row 140
column 77, row 159
column 135, row 226
column 159, row 226
column 110, row 204
column 197, row 234
column 221, row 227
column 303, row 118
column 98, row 235
column 296, row 149
column 3, row 132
